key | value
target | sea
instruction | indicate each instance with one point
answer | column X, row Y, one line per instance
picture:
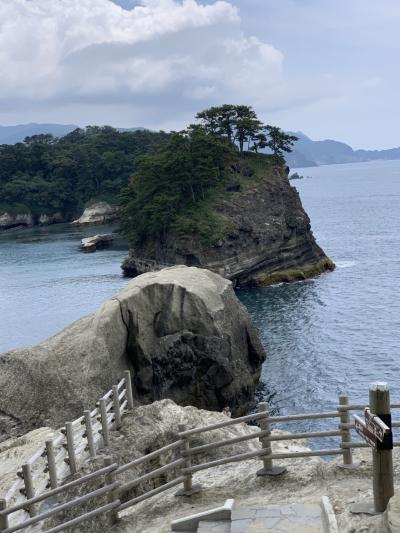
column 335, row 333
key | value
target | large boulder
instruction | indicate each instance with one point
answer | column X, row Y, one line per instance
column 181, row 331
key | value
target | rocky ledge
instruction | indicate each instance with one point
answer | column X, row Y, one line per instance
column 10, row 220
column 181, row 331
column 269, row 238
column 98, row 213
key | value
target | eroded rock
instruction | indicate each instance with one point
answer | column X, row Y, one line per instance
column 98, row 213
column 181, row 331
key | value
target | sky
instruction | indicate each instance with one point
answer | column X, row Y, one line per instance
column 325, row 67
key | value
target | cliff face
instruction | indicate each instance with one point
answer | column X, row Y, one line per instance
column 20, row 220
column 98, row 213
column 268, row 240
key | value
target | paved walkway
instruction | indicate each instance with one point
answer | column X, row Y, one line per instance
column 289, row 518
column 299, row 518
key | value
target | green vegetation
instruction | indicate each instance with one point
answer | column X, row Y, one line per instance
column 174, row 191
column 46, row 174
column 174, row 188
column 168, row 184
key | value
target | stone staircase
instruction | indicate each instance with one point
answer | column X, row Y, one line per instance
column 288, row 518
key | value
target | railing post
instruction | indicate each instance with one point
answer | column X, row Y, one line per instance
column 29, row 490
column 112, row 496
column 379, row 404
column 104, row 426
column 71, row 448
column 89, row 433
column 188, row 488
column 51, row 464
column 117, row 409
column 268, row 469
column 3, row 518
column 128, row 387
column 345, row 430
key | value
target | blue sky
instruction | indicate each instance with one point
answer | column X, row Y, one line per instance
column 326, row 67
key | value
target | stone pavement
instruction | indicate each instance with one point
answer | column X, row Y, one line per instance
column 285, row 518
column 291, row 518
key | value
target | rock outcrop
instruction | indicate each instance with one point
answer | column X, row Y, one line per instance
column 97, row 242
column 181, row 331
column 98, row 213
column 10, row 220
column 28, row 220
column 269, row 238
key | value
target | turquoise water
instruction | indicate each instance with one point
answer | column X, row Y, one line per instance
column 336, row 332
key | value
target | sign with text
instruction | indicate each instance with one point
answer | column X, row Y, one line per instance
column 364, row 432
column 375, row 425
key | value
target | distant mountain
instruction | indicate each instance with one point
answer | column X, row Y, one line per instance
column 15, row 134
column 329, row 152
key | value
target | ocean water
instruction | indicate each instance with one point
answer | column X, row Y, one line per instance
column 334, row 333
column 46, row 282
column 340, row 331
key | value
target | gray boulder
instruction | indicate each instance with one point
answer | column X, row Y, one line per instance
column 181, row 331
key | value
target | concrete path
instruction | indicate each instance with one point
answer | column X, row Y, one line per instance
column 290, row 518
column 299, row 518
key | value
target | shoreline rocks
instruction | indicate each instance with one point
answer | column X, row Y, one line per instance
column 10, row 221
column 98, row 213
column 181, row 331
column 97, row 242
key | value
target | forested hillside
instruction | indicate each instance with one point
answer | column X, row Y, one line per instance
column 46, row 174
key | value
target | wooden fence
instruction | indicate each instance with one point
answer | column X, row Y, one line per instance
column 108, row 414
column 62, row 456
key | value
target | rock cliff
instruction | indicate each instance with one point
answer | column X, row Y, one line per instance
column 98, row 213
column 268, row 237
column 181, row 331
column 10, row 220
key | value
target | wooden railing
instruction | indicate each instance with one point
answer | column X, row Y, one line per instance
column 62, row 456
column 181, row 463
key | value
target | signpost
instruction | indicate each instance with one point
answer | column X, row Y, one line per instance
column 364, row 431
column 376, row 430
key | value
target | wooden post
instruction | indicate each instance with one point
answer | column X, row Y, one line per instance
column 382, row 462
column 110, row 478
column 117, row 409
column 51, row 464
column 89, row 433
column 379, row 404
column 188, row 488
column 3, row 518
column 104, row 426
column 128, row 388
column 71, row 448
column 268, row 469
column 348, row 463
column 29, row 490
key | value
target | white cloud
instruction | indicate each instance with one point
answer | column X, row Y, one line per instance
column 167, row 56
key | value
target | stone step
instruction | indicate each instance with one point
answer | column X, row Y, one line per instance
column 217, row 526
column 289, row 518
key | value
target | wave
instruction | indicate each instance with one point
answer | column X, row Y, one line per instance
column 345, row 264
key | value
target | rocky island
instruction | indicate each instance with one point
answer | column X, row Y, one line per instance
column 203, row 200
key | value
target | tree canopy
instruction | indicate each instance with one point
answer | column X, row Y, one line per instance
column 170, row 187
column 240, row 124
column 46, row 174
